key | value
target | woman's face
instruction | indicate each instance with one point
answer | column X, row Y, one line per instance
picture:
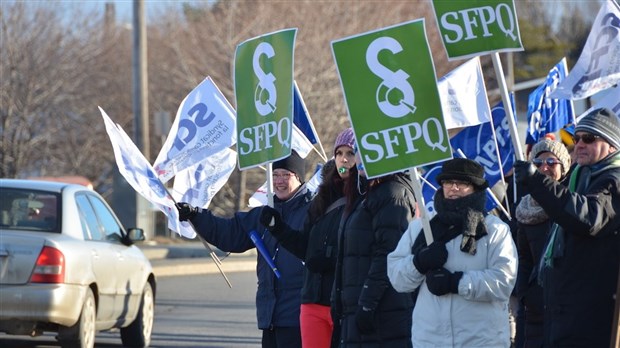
column 548, row 164
column 345, row 160
column 453, row 189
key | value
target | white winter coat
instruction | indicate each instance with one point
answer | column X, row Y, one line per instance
column 478, row 315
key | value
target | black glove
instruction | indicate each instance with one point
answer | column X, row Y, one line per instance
column 430, row 257
column 186, row 211
column 523, row 172
column 270, row 218
column 365, row 320
column 442, row 281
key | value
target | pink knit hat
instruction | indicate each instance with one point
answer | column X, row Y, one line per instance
column 346, row 137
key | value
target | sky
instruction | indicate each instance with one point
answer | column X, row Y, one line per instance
column 124, row 8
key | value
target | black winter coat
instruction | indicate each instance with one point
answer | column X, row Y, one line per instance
column 317, row 246
column 579, row 289
column 368, row 234
column 277, row 300
column 530, row 244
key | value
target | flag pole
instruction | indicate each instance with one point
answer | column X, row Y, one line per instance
column 214, row 257
column 311, row 124
column 501, row 79
column 417, row 192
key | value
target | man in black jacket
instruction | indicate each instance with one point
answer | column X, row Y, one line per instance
column 579, row 266
column 277, row 299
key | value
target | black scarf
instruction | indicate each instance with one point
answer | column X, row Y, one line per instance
column 464, row 214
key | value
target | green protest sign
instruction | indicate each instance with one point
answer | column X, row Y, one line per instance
column 264, row 95
column 390, row 89
column 474, row 27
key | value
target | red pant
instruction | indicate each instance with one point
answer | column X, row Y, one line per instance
column 316, row 326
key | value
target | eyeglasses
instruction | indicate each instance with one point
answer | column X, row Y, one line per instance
column 284, row 176
column 548, row 161
column 461, row 185
column 587, row 138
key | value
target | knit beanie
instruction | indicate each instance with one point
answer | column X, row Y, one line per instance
column 463, row 169
column 557, row 149
column 292, row 163
column 346, row 137
column 602, row 122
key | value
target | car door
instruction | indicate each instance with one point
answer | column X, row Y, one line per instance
column 130, row 270
column 103, row 258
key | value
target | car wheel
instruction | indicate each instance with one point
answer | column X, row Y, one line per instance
column 138, row 333
column 82, row 334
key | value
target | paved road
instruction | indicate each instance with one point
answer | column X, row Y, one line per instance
column 191, row 311
column 193, row 258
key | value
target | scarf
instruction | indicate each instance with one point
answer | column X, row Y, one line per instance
column 464, row 214
column 529, row 212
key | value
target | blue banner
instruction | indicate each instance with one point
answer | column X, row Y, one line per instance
column 544, row 114
column 301, row 118
column 477, row 143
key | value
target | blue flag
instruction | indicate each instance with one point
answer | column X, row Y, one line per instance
column 477, row 143
column 544, row 114
column 301, row 118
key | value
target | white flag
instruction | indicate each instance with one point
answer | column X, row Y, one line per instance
column 463, row 96
column 198, row 184
column 300, row 143
column 611, row 100
column 138, row 172
column 204, row 125
column 598, row 66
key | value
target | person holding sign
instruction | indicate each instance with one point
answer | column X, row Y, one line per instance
column 317, row 243
column 277, row 298
column 370, row 311
column 551, row 159
column 465, row 277
column 579, row 266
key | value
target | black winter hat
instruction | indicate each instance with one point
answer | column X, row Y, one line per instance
column 293, row 163
column 463, row 169
column 602, row 122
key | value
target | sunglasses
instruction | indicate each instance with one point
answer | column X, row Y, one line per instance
column 548, row 161
column 587, row 138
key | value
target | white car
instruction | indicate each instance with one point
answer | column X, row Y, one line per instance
column 67, row 265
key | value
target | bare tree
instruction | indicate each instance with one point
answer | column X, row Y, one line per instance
column 183, row 50
column 46, row 76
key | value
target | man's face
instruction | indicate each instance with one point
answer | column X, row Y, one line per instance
column 285, row 183
column 590, row 149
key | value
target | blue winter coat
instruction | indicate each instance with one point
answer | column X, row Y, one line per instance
column 277, row 300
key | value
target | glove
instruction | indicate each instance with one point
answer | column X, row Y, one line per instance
column 186, row 211
column 442, row 281
column 523, row 172
column 365, row 320
column 430, row 257
column 267, row 215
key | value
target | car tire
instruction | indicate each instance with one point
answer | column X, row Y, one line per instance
column 82, row 334
column 138, row 333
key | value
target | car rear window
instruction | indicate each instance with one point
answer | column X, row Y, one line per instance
column 30, row 210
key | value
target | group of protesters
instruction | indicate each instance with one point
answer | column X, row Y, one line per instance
column 356, row 268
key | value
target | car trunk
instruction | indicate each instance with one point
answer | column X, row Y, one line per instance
column 18, row 255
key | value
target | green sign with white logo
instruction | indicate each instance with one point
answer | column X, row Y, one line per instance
column 264, row 94
column 474, row 27
column 390, row 89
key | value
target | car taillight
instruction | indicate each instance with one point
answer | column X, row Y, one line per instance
column 50, row 267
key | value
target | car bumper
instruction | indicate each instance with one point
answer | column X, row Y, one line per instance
column 52, row 303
